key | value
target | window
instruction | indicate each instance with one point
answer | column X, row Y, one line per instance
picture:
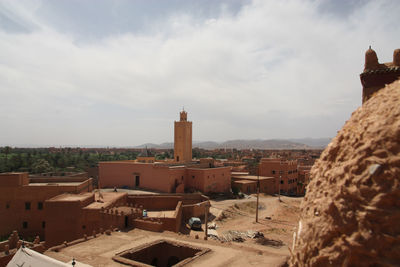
column 273, row 171
column 83, row 226
column 7, row 205
column 43, row 224
column 280, row 172
column 27, row 205
column 40, row 205
column 193, row 176
column 281, row 181
column 24, row 225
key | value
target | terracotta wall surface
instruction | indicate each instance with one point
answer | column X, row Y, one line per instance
column 148, row 225
column 194, row 210
column 209, row 180
column 13, row 179
column 156, row 202
column 151, row 176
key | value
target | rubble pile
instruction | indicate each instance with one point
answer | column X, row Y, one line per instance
column 350, row 215
column 239, row 236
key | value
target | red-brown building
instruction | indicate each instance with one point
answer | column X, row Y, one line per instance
column 163, row 177
column 248, row 183
column 22, row 200
column 284, row 171
column 303, row 178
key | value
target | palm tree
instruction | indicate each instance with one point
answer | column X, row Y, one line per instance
column 6, row 151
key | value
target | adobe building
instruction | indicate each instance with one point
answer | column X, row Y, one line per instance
column 376, row 75
column 303, row 174
column 182, row 175
column 284, row 171
column 76, row 216
column 248, row 183
column 22, row 200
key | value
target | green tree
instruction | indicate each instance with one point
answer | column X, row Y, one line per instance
column 40, row 166
column 6, row 151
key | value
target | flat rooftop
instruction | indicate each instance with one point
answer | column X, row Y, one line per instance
column 245, row 182
column 71, row 197
column 107, row 199
column 56, row 184
column 240, row 173
column 100, row 250
column 251, row 177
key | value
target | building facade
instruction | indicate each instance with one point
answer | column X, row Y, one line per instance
column 284, row 171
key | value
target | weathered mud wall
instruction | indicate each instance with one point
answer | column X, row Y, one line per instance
column 350, row 215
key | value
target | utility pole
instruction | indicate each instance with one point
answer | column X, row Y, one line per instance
column 258, row 190
column 279, row 190
column 206, row 220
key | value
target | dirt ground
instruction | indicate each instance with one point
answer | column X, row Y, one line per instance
column 276, row 220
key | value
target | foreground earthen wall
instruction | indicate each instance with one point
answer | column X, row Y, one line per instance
column 350, row 214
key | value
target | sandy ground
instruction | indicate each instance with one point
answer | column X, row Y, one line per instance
column 276, row 221
column 228, row 214
column 100, row 250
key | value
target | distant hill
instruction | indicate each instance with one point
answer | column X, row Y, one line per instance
column 304, row 143
column 313, row 142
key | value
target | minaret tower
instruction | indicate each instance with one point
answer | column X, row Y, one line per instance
column 183, row 139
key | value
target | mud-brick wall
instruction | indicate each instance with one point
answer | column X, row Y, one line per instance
column 196, row 210
column 173, row 224
column 148, row 225
column 150, row 202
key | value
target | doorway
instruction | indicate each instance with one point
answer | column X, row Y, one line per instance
column 126, row 221
column 137, row 180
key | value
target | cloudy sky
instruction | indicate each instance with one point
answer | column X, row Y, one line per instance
column 117, row 73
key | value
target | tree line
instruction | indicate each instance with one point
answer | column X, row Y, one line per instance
column 40, row 160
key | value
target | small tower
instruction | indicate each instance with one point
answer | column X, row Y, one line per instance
column 376, row 75
column 183, row 139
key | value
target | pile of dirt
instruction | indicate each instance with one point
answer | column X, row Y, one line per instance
column 240, row 236
column 239, row 209
column 350, row 215
column 249, row 207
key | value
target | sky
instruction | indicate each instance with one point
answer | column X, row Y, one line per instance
column 117, row 73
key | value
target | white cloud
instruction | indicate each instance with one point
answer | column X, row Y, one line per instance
column 275, row 69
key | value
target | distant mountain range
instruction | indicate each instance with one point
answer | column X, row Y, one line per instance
column 303, row 143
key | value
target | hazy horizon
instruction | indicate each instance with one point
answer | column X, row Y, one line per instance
column 142, row 144
column 117, row 73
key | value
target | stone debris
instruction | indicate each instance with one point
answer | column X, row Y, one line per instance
column 239, row 236
column 212, row 226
